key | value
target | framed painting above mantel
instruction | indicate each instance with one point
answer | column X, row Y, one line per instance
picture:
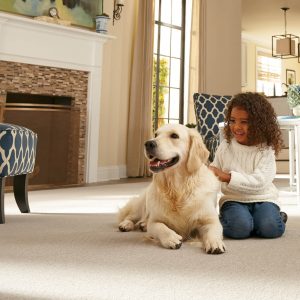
column 79, row 12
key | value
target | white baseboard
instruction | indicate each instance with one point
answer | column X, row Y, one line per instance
column 112, row 173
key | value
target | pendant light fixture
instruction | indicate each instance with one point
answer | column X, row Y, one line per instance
column 285, row 45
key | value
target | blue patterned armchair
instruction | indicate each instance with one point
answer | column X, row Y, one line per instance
column 17, row 159
column 210, row 111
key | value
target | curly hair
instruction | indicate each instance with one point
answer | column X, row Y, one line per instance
column 263, row 125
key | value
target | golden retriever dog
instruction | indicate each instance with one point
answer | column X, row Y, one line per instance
column 181, row 200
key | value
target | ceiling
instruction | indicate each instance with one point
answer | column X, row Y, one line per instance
column 263, row 18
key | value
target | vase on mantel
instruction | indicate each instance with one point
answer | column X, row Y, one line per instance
column 101, row 23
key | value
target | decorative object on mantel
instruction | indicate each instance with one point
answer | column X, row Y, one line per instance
column 53, row 12
column 53, row 17
column 285, row 45
column 102, row 21
column 118, row 6
column 53, row 20
column 293, row 98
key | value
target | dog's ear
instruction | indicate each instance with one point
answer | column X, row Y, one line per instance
column 198, row 154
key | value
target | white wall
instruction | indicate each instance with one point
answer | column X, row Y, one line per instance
column 115, row 93
column 223, row 63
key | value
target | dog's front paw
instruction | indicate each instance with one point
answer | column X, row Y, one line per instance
column 126, row 225
column 172, row 241
column 214, row 247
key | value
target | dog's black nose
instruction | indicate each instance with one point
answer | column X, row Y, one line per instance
column 150, row 145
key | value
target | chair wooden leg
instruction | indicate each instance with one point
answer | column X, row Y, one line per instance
column 2, row 215
column 20, row 191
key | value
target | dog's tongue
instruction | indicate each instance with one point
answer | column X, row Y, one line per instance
column 157, row 163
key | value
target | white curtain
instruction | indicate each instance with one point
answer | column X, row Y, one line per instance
column 197, row 72
column 140, row 106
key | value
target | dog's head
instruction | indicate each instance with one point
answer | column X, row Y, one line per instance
column 175, row 145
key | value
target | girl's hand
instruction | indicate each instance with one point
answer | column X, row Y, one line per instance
column 222, row 176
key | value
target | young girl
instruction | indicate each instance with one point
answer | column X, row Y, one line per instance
column 245, row 164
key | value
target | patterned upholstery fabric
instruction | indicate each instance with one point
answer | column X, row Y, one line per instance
column 17, row 150
column 210, row 111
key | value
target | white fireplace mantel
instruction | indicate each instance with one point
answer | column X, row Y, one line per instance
column 25, row 40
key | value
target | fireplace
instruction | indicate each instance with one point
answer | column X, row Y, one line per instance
column 40, row 60
column 56, row 120
column 52, row 102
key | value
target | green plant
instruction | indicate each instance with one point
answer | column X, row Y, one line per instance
column 163, row 90
column 293, row 95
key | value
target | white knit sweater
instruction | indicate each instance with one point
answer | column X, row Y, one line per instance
column 252, row 172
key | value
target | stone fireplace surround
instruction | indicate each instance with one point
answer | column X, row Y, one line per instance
column 34, row 80
column 27, row 41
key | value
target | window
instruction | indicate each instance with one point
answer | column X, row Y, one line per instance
column 168, row 62
column 268, row 78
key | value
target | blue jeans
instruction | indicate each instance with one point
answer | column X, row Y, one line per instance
column 241, row 220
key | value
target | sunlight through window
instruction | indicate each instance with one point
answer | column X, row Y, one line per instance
column 268, row 74
column 168, row 62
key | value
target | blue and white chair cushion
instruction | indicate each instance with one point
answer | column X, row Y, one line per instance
column 17, row 150
column 210, row 111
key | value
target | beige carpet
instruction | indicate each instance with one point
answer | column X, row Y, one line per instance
column 69, row 248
